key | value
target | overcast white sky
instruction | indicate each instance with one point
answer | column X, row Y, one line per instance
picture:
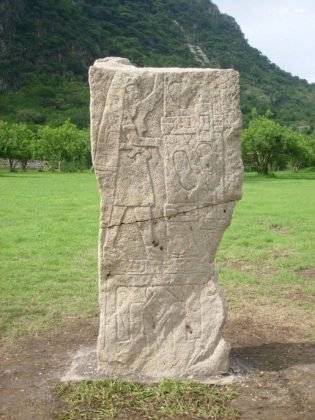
column 283, row 30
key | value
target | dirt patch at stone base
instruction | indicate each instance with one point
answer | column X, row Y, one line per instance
column 308, row 273
column 31, row 368
column 281, row 385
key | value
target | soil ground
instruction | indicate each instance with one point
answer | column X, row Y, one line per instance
column 281, row 384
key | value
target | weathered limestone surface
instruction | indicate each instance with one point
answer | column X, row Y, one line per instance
column 166, row 153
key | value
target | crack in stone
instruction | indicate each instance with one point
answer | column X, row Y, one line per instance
column 172, row 215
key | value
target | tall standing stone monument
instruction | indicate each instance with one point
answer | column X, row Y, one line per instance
column 166, row 153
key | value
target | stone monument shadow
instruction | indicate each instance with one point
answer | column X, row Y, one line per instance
column 275, row 357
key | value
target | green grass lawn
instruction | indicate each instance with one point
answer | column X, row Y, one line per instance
column 48, row 243
column 166, row 400
column 48, row 247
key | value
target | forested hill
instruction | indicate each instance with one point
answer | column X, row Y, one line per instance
column 46, row 47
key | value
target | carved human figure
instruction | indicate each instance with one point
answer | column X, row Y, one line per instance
column 134, row 188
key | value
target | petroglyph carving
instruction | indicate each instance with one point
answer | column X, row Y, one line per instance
column 165, row 147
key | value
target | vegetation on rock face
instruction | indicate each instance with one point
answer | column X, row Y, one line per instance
column 46, row 48
column 47, row 99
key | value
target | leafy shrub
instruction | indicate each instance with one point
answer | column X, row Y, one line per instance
column 267, row 145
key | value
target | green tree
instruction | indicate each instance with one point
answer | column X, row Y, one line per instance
column 299, row 149
column 24, row 140
column 263, row 144
column 6, row 143
column 63, row 145
column 268, row 145
column 16, row 143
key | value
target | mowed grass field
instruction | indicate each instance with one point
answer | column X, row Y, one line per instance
column 48, row 251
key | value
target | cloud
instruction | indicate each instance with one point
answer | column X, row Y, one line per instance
column 282, row 30
column 288, row 11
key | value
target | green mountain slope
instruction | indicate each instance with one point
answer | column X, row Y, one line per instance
column 46, row 47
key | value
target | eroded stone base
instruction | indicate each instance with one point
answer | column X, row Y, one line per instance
column 162, row 331
column 83, row 367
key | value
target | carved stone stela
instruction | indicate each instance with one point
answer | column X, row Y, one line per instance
column 166, row 153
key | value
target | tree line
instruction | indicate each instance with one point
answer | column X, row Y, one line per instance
column 65, row 147
column 266, row 146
